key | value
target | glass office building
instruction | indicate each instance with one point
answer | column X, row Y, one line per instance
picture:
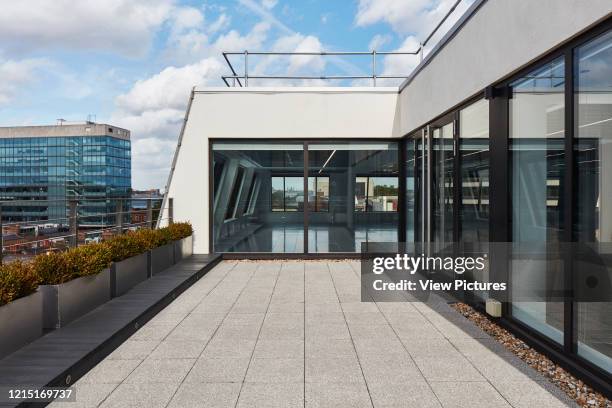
column 43, row 167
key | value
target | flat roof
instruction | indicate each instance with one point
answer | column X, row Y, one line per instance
column 297, row 89
column 65, row 130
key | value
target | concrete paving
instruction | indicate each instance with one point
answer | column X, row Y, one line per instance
column 296, row 334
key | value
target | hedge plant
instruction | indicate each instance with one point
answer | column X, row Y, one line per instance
column 18, row 279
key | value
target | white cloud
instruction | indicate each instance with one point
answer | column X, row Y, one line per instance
column 17, row 74
column 233, row 41
column 154, row 108
column 378, row 41
column 269, row 4
column 309, row 62
column 186, row 17
column 417, row 17
column 400, row 65
column 150, row 165
column 169, row 88
column 221, row 23
column 124, row 26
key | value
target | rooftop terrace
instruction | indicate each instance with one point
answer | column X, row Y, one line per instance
column 295, row 333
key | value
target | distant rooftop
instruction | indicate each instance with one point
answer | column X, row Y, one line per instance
column 63, row 130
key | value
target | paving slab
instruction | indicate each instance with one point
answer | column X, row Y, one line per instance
column 292, row 334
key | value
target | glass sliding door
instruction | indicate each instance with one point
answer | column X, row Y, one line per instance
column 258, row 197
column 536, row 171
column 411, row 187
column 442, row 178
column 474, row 172
column 593, row 192
column 358, row 193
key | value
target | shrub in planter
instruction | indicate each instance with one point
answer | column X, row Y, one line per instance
column 125, row 246
column 20, row 307
column 59, row 267
column 176, row 231
column 73, row 282
column 17, row 279
column 151, row 239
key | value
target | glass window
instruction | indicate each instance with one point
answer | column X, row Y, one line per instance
column 318, row 193
column 268, row 214
column 537, row 164
column 442, row 175
column 278, row 194
column 360, row 177
column 593, row 203
column 287, row 194
column 474, row 151
column 411, row 189
column 233, row 198
column 376, row 194
column 294, row 193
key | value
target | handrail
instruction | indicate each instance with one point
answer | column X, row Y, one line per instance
column 66, row 232
column 245, row 76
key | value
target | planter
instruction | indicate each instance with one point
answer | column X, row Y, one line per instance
column 21, row 322
column 128, row 273
column 183, row 248
column 68, row 301
column 162, row 258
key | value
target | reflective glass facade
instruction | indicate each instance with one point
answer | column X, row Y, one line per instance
column 262, row 201
column 60, row 168
column 529, row 165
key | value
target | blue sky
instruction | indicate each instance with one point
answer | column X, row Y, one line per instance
column 132, row 62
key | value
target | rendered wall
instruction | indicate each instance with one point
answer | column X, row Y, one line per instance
column 499, row 39
column 279, row 113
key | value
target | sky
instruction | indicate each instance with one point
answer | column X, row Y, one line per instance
column 132, row 63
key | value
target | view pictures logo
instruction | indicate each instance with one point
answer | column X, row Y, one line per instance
column 412, row 264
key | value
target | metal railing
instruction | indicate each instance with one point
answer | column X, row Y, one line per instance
column 243, row 80
column 28, row 238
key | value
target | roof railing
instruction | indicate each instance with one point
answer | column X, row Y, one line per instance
column 80, row 224
column 243, row 80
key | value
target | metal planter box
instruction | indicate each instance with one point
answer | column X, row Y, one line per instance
column 162, row 258
column 21, row 322
column 183, row 248
column 68, row 301
column 128, row 273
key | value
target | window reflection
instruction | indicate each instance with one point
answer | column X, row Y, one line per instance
column 362, row 181
column 318, row 193
column 593, row 207
column 474, row 150
column 262, row 186
column 537, row 167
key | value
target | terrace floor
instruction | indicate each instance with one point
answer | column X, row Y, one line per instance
column 295, row 334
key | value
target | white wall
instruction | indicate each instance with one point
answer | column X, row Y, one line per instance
column 307, row 113
column 499, row 39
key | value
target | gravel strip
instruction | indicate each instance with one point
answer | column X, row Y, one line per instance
column 576, row 389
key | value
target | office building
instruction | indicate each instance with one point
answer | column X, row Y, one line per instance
column 42, row 167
